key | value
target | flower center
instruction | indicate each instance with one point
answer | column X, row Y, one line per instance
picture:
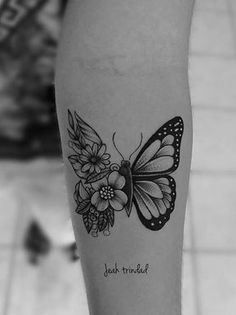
column 106, row 192
column 94, row 159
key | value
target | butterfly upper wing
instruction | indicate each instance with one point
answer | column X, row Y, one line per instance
column 154, row 189
column 160, row 154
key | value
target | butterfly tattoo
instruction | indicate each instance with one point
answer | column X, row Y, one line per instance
column 105, row 188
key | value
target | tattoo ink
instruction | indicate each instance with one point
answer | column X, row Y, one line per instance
column 109, row 271
column 105, row 188
column 137, row 270
column 125, row 270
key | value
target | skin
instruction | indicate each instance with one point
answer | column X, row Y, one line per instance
column 123, row 66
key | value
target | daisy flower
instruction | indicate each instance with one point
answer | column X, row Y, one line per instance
column 94, row 159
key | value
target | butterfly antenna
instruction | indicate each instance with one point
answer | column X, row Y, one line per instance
column 140, row 143
column 113, row 141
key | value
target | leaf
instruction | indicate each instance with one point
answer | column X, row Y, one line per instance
column 83, row 206
column 73, row 158
column 87, row 222
column 102, row 221
column 82, row 140
column 71, row 135
column 85, row 132
column 71, row 120
column 76, row 164
column 75, row 146
column 94, row 177
column 111, row 216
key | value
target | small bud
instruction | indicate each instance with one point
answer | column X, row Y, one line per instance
column 106, row 232
column 94, row 233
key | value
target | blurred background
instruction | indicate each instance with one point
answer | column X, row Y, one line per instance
column 38, row 273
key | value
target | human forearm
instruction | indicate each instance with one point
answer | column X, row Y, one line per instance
column 124, row 81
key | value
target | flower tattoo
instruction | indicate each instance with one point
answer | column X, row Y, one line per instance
column 94, row 158
column 104, row 189
column 108, row 193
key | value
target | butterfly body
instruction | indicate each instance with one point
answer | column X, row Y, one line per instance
column 125, row 170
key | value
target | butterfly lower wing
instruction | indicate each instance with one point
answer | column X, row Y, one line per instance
column 160, row 154
column 154, row 200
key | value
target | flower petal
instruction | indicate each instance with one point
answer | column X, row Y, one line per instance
column 119, row 201
column 86, row 167
column 88, row 149
column 106, row 156
column 116, row 180
column 83, row 158
column 102, row 150
column 97, row 168
column 102, row 205
column 101, row 165
column 106, row 162
column 98, row 184
column 92, row 168
column 95, row 149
